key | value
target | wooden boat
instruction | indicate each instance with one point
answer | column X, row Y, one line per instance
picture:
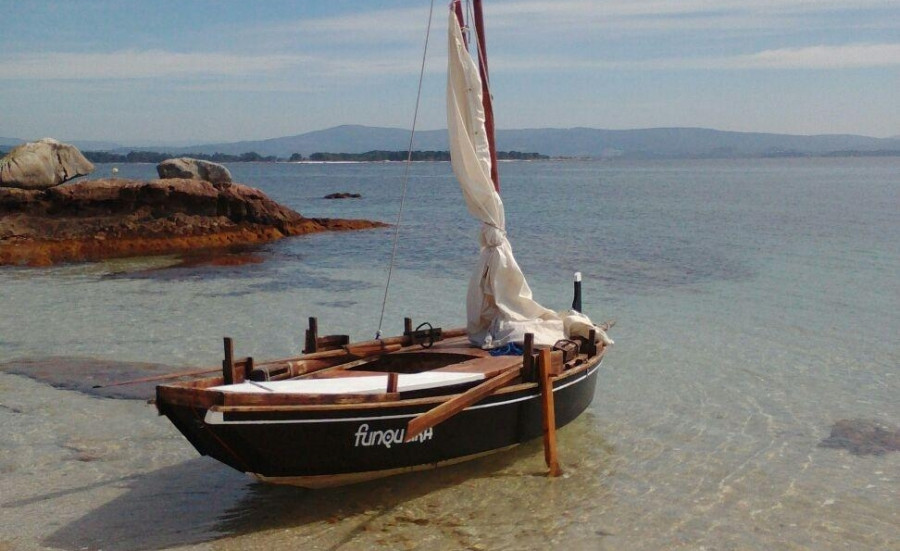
column 298, row 421
column 346, row 412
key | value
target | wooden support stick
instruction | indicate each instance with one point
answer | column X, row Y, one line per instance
column 407, row 325
column 454, row 405
column 312, row 337
column 242, row 376
column 549, row 416
column 393, row 377
column 528, row 373
column 228, row 362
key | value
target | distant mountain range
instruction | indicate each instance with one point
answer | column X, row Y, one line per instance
column 556, row 142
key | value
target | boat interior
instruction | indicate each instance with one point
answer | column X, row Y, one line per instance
column 421, row 362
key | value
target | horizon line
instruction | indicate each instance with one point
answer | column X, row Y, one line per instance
column 185, row 144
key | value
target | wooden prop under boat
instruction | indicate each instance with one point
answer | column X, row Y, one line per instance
column 347, row 412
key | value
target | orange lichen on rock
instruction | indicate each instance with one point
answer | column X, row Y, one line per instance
column 44, row 252
column 96, row 219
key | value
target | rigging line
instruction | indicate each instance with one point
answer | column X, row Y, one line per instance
column 470, row 28
column 404, row 186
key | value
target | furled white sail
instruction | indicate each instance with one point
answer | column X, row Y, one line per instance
column 500, row 308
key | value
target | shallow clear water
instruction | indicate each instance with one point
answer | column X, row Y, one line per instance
column 756, row 303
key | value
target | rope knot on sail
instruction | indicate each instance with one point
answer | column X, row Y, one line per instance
column 492, row 236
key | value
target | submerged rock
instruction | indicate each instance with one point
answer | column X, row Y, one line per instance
column 343, row 195
column 863, row 437
column 105, row 218
column 93, row 376
column 42, row 164
column 194, row 169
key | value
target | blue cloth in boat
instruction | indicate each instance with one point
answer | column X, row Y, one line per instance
column 509, row 349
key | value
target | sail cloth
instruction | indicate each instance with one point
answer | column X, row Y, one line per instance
column 499, row 305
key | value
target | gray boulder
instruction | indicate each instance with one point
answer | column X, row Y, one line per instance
column 42, row 164
column 194, row 169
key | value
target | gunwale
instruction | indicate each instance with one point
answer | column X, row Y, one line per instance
column 176, row 394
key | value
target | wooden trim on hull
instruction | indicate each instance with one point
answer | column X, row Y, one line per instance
column 215, row 415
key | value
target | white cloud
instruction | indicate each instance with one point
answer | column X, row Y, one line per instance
column 583, row 8
column 132, row 64
column 850, row 56
column 375, row 27
column 568, row 18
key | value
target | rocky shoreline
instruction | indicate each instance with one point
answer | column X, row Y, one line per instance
column 47, row 219
column 91, row 220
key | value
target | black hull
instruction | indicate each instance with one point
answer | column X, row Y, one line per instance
column 312, row 446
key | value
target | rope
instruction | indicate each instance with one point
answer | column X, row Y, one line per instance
column 412, row 135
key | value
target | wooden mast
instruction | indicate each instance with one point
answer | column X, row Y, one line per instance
column 485, row 92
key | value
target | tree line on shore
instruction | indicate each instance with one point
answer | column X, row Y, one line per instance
column 253, row 157
column 378, row 155
column 415, row 156
column 156, row 157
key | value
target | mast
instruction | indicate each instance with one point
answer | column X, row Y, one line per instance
column 485, row 91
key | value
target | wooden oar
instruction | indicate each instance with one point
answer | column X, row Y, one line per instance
column 451, row 407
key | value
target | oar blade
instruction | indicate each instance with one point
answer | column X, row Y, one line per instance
column 451, row 407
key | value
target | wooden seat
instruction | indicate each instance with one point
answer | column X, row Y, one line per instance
column 337, row 373
column 488, row 365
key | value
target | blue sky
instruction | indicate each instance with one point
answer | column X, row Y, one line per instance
column 208, row 71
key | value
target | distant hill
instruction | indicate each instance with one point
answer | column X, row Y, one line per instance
column 570, row 142
column 556, row 142
column 340, row 139
column 683, row 142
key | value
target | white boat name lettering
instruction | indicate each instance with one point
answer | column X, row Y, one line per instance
column 386, row 438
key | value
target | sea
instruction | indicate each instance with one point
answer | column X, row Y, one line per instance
column 757, row 306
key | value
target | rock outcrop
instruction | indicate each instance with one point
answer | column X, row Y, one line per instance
column 343, row 195
column 42, row 164
column 863, row 437
column 194, row 169
column 95, row 219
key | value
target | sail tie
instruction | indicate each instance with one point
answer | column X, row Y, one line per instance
column 492, row 235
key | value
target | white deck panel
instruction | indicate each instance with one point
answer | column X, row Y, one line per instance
column 366, row 384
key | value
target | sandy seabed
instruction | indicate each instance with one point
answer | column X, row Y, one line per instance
column 84, row 472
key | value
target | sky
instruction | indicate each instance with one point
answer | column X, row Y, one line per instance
column 183, row 72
